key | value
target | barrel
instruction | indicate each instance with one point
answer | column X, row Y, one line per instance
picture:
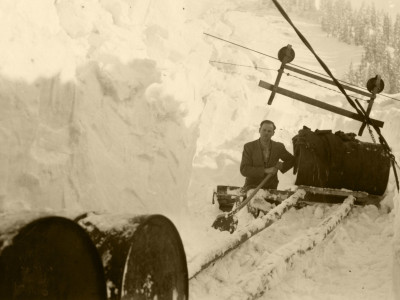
column 338, row 160
column 143, row 255
column 48, row 257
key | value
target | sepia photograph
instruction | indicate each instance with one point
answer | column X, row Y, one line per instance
column 199, row 149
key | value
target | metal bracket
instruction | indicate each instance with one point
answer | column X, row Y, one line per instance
column 285, row 55
column 377, row 85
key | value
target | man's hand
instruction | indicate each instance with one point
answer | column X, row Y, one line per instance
column 271, row 170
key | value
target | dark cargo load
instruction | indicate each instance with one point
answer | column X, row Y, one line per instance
column 340, row 161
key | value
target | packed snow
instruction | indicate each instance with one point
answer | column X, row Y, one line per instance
column 115, row 106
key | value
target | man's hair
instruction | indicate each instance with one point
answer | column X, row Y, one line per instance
column 267, row 122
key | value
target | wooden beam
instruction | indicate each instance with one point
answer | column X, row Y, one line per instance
column 271, row 269
column 322, row 195
column 234, row 240
column 319, row 104
column 361, row 92
column 335, row 192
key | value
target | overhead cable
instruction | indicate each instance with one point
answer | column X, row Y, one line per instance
column 270, row 56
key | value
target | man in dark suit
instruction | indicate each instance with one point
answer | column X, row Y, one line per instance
column 264, row 156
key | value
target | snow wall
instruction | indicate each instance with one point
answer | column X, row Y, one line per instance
column 106, row 105
column 95, row 99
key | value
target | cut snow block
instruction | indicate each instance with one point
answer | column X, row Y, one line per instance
column 48, row 258
column 338, row 160
column 143, row 255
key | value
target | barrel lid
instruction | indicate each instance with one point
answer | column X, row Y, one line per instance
column 53, row 258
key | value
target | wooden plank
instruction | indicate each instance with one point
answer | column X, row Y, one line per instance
column 264, row 277
column 323, row 195
column 319, row 104
column 232, row 241
column 349, row 88
column 313, row 195
column 335, row 192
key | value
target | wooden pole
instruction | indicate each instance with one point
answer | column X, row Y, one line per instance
column 319, row 104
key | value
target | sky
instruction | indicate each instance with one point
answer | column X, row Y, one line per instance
column 114, row 106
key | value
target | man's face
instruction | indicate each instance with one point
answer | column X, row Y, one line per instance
column 266, row 131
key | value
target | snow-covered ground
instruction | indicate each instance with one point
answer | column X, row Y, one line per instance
column 114, row 106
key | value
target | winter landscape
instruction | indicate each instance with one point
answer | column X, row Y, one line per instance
column 133, row 107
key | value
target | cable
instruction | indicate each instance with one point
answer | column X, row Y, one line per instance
column 316, row 72
column 348, row 83
column 218, row 38
column 288, row 74
column 325, row 87
column 226, row 63
column 270, row 56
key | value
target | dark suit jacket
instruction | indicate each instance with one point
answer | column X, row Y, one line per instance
column 252, row 165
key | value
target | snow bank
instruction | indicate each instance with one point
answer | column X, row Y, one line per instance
column 99, row 105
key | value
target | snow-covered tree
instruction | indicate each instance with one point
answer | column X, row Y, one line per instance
column 327, row 16
column 387, row 32
column 360, row 29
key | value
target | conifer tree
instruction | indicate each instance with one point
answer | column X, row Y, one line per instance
column 327, row 16
column 345, row 23
column 359, row 26
column 338, row 11
column 396, row 55
column 323, row 8
column 387, row 30
column 396, row 34
column 351, row 76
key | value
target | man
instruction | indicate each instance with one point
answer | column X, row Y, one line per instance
column 262, row 157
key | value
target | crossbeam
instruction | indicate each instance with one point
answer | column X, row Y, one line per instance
column 346, row 87
column 317, row 103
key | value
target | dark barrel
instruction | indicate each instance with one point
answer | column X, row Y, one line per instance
column 48, row 258
column 338, row 160
column 143, row 256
